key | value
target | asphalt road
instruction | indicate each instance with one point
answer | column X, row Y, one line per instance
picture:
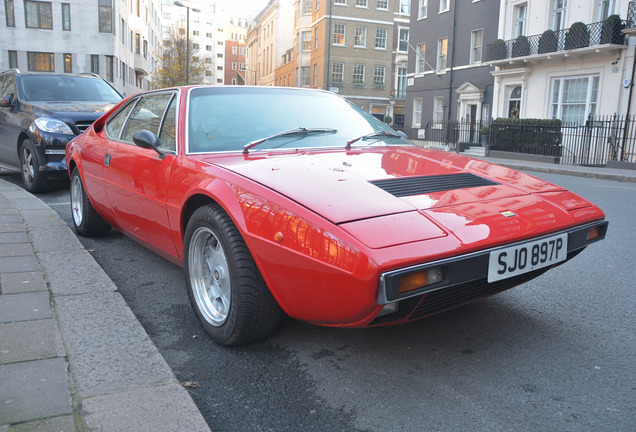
column 554, row 354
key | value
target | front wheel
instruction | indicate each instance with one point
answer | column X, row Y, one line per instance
column 226, row 290
column 33, row 180
column 86, row 221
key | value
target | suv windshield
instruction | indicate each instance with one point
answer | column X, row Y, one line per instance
column 67, row 88
column 226, row 119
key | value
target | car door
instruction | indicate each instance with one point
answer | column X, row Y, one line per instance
column 136, row 178
column 9, row 121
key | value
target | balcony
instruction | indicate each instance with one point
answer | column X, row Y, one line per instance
column 596, row 39
column 630, row 28
column 141, row 64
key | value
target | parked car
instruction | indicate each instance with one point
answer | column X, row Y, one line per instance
column 40, row 113
column 293, row 200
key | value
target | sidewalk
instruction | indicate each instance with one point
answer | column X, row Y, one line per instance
column 73, row 356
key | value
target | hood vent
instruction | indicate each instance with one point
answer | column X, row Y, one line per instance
column 409, row 186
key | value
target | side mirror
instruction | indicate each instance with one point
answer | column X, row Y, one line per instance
column 6, row 101
column 148, row 140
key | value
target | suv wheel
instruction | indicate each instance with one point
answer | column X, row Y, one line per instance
column 32, row 178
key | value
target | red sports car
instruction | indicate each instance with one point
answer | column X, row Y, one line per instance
column 290, row 200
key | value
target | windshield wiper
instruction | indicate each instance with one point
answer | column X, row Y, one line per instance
column 296, row 131
column 372, row 135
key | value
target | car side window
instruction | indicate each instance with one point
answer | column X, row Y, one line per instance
column 114, row 125
column 168, row 128
column 146, row 115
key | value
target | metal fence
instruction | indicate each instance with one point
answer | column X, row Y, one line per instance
column 577, row 36
column 594, row 143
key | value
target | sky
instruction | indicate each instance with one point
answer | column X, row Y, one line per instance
column 243, row 7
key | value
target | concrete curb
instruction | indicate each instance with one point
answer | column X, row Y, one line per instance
column 73, row 356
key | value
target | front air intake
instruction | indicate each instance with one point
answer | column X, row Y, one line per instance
column 409, row 186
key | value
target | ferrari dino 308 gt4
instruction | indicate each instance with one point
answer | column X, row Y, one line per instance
column 290, row 200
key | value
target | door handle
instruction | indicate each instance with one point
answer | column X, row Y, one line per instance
column 107, row 159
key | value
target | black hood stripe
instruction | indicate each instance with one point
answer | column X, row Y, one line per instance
column 409, row 186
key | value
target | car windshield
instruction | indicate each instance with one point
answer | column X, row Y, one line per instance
column 56, row 88
column 226, row 119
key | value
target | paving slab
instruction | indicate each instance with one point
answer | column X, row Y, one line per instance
column 107, row 347
column 16, row 283
column 33, row 390
column 30, row 340
column 12, row 227
column 41, row 218
column 64, row 423
column 7, row 218
column 18, row 264
column 163, row 408
column 25, row 307
column 74, row 272
column 19, row 237
column 15, row 249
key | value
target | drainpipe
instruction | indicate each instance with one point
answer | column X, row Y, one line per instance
column 629, row 102
column 328, row 42
column 450, row 85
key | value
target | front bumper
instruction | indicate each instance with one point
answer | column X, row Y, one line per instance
column 465, row 279
column 51, row 149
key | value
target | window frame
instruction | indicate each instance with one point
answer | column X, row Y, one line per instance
column 422, row 10
column 442, row 54
column 360, row 35
column 66, row 17
column 420, row 63
column 416, row 119
column 476, row 52
column 32, row 60
column 342, row 35
column 40, row 6
column 381, row 38
column 591, row 96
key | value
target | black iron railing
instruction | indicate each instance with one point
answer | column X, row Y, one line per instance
column 631, row 15
column 593, row 143
column 579, row 35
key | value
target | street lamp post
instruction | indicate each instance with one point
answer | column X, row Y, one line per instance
column 180, row 4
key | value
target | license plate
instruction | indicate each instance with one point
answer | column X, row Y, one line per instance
column 526, row 257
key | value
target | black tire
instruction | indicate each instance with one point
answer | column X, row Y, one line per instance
column 86, row 221
column 34, row 181
column 226, row 290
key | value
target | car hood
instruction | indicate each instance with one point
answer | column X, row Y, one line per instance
column 346, row 186
column 73, row 110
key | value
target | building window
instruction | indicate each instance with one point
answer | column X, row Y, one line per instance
column 606, row 8
column 337, row 74
column 360, row 37
column 40, row 62
column 110, row 68
column 306, row 40
column 105, row 16
column 405, row 7
column 403, row 45
column 417, row 112
column 9, row 12
column 315, row 74
column 401, row 83
column 358, row 75
column 520, row 12
column 66, row 17
column 68, row 63
column 305, row 77
column 137, row 43
column 423, row 11
column 95, row 63
column 340, row 2
column 438, row 110
column 380, row 38
column 442, row 54
column 476, row 43
column 514, row 102
column 316, row 38
column 420, row 65
column 378, row 77
column 558, row 15
column 362, row 3
column 234, row 50
column 573, row 99
column 338, row 34
column 383, row 4
column 13, row 59
column 307, row 6
column 234, row 65
column 38, row 14
column 444, row 5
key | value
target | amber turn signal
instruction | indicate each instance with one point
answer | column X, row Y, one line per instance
column 593, row 233
column 418, row 280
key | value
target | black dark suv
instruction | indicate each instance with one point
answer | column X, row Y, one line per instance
column 40, row 113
